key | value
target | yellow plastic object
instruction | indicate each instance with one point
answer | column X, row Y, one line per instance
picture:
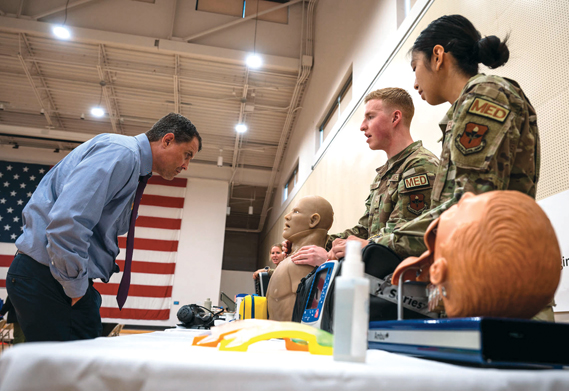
column 217, row 333
column 253, row 307
column 318, row 341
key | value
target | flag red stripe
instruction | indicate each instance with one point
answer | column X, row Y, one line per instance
column 6, row 260
column 128, row 313
column 2, row 283
column 135, row 290
column 151, row 244
column 176, row 182
column 150, row 267
column 167, row 202
column 158, row 222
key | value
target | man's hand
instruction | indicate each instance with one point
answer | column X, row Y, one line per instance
column 339, row 247
column 310, row 255
column 75, row 300
column 287, row 246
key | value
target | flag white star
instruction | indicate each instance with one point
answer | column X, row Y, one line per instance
column 26, row 169
column 42, row 171
column 29, row 194
column 16, row 219
column 20, row 202
column 3, row 201
column 13, row 193
column 9, row 210
column 1, row 174
column 13, row 236
column 22, row 185
column 16, row 177
column 9, row 168
column 21, row 228
column 6, row 227
column 33, row 178
column 6, row 184
column 1, row 218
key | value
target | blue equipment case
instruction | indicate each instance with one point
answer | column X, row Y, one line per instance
column 491, row 342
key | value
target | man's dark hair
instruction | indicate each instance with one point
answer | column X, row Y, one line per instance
column 182, row 128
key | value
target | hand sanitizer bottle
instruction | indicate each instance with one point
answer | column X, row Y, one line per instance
column 351, row 307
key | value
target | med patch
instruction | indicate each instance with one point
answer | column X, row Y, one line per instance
column 416, row 181
column 417, row 204
column 471, row 140
column 488, row 109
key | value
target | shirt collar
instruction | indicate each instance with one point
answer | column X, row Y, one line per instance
column 145, row 154
column 401, row 155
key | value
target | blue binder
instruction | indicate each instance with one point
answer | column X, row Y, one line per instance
column 492, row 342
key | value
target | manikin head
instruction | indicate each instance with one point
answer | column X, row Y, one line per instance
column 495, row 254
column 310, row 216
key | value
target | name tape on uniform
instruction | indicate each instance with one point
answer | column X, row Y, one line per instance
column 416, row 181
column 488, row 109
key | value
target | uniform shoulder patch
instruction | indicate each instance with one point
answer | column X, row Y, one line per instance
column 417, row 204
column 488, row 109
column 471, row 139
column 416, row 181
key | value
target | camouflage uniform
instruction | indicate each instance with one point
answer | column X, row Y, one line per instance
column 491, row 142
column 400, row 192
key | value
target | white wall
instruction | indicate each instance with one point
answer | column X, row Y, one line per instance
column 234, row 282
column 200, row 249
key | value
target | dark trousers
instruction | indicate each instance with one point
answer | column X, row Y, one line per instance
column 43, row 309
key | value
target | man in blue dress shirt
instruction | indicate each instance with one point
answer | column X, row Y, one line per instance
column 72, row 221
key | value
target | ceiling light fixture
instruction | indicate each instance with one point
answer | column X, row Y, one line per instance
column 228, row 210
column 60, row 31
column 241, row 128
column 98, row 111
column 253, row 60
column 250, row 209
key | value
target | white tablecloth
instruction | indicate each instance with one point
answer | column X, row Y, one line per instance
column 165, row 361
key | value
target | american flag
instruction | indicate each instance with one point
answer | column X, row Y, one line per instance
column 154, row 256
column 17, row 183
column 155, row 245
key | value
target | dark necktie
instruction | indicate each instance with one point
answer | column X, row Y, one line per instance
column 125, row 280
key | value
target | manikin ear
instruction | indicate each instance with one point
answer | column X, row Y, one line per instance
column 314, row 220
column 438, row 271
column 438, row 57
column 167, row 139
column 396, row 117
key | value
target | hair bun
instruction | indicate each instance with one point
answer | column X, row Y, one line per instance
column 493, row 52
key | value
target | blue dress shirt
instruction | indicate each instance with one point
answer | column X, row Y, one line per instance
column 82, row 204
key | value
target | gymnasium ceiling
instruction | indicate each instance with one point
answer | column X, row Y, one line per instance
column 141, row 59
